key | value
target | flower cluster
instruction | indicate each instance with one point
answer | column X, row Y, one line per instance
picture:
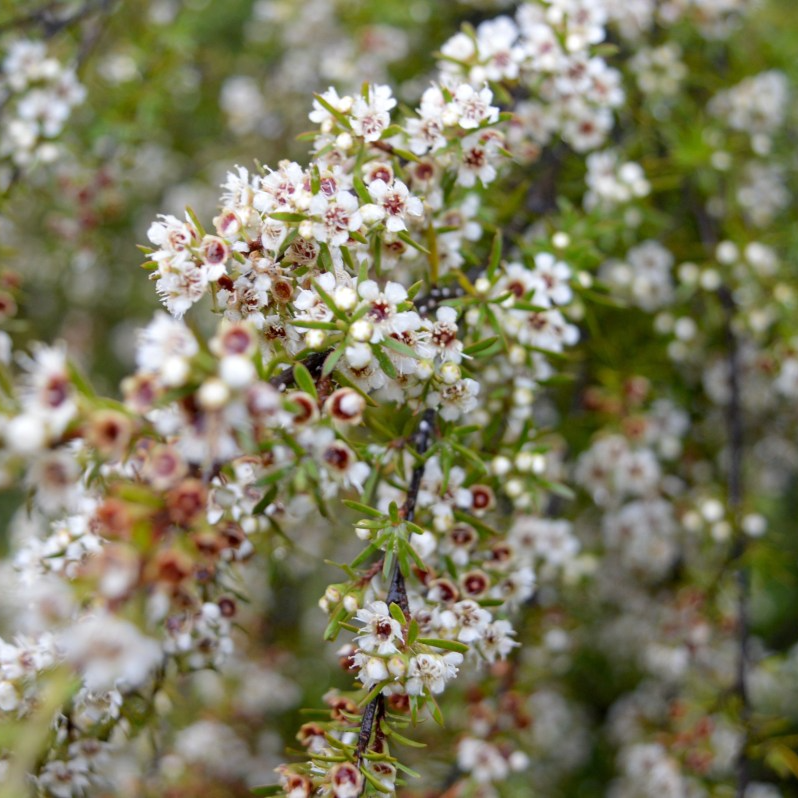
column 37, row 93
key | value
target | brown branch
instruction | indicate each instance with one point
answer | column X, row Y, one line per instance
column 313, row 363
column 397, row 592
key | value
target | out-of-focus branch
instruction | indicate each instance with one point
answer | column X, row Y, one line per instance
column 735, row 434
column 48, row 20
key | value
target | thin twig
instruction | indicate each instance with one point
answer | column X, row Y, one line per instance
column 397, row 592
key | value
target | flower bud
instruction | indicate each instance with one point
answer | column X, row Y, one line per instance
column 361, row 331
column 213, row 394
column 425, row 369
column 346, row 405
column 351, row 603
column 482, row 285
column 345, row 298
column 450, row 373
column 501, row 465
column 236, row 371
column 397, row 667
column 314, row 339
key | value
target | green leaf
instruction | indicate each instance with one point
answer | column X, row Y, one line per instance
column 372, row 694
column 334, row 626
column 480, row 526
column 304, row 381
column 403, row 235
column 376, row 783
column 267, row 499
column 437, row 715
column 269, row 789
column 195, row 221
column 363, row 508
column 387, row 564
column 328, row 300
column 495, row 255
column 448, row 645
column 372, row 548
column 480, row 346
column 361, row 190
column 397, row 614
column 333, row 111
column 402, row 740
column 406, row 155
column 280, row 216
column 313, row 325
column 348, row 260
column 332, row 360
column 415, row 288
column 399, row 347
column 406, row 769
column 412, row 632
column 384, row 361
column 469, row 455
column 79, row 381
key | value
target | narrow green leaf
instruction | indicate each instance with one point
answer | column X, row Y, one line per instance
column 384, row 361
column 469, row 455
column 480, row 346
column 328, row 300
column 304, row 381
column 334, row 626
column 267, row 499
column 399, row 347
column 403, row 235
column 269, row 789
column 361, row 190
column 412, row 632
column 313, row 325
column 376, row 783
column 332, row 360
column 372, row 694
column 372, row 548
column 402, row 740
column 397, row 614
column 363, row 508
column 281, row 216
column 448, row 645
column 495, row 255
column 333, row 111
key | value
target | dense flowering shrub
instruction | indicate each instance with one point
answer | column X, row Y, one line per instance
column 471, row 432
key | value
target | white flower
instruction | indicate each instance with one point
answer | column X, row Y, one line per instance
column 549, row 280
column 373, row 670
column 396, row 203
column 473, row 107
column 482, row 760
column 455, row 400
column 370, row 115
column 338, row 216
column 380, row 630
column 110, row 652
column 497, row 642
column 383, row 314
column 430, row 672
